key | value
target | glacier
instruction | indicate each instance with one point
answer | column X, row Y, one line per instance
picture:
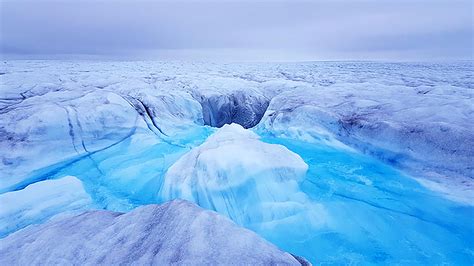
column 338, row 162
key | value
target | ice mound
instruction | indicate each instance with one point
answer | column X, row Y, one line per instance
column 60, row 125
column 176, row 232
column 40, row 201
column 236, row 174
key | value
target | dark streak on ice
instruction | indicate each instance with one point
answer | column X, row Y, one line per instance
column 63, row 165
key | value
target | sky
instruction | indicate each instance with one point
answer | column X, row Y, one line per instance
column 238, row 30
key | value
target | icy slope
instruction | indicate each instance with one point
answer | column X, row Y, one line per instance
column 60, row 125
column 40, row 201
column 176, row 232
column 236, row 174
column 410, row 129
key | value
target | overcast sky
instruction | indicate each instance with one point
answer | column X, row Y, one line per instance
column 238, row 30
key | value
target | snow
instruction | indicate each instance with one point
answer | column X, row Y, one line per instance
column 40, row 201
column 176, row 232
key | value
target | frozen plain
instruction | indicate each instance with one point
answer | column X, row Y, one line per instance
column 360, row 162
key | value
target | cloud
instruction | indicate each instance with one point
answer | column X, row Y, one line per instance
column 269, row 30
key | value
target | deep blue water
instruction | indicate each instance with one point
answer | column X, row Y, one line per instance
column 378, row 215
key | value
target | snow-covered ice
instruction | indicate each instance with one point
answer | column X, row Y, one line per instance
column 40, row 201
column 386, row 146
column 410, row 128
column 250, row 181
column 174, row 233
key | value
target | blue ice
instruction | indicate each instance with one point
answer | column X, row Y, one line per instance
column 377, row 215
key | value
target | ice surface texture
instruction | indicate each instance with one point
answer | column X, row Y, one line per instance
column 243, row 108
column 177, row 232
column 40, row 201
column 426, row 131
column 119, row 127
column 250, row 181
column 414, row 116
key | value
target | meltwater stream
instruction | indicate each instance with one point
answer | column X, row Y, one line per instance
column 375, row 214
column 372, row 213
